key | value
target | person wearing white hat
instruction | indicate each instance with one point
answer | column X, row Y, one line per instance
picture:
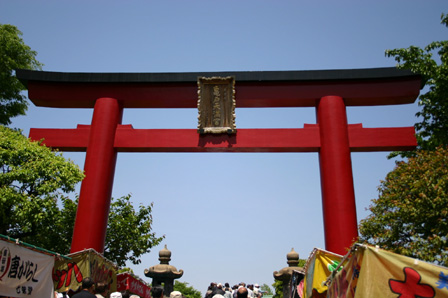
column 257, row 291
column 116, row 295
column 176, row 294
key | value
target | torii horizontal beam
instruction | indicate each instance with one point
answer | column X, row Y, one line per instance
column 128, row 139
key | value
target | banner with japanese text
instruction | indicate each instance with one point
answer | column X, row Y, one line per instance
column 318, row 268
column 133, row 284
column 25, row 272
column 373, row 272
column 68, row 274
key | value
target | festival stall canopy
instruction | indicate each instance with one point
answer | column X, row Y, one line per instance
column 374, row 272
column 67, row 275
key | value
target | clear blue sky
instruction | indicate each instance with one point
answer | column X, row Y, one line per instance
column 227, row 217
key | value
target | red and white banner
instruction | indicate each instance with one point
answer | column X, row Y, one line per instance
column 24, row 272
column 135, row 285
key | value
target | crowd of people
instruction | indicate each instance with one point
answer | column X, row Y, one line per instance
column 237, row 291
column 90, row 289
column 218, row 291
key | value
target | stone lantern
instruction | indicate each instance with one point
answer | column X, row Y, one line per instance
column 164, row 272
column 285, row 274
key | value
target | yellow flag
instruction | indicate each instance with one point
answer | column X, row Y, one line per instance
column 319, row 267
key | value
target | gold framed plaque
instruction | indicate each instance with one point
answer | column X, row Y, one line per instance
column 216, row 105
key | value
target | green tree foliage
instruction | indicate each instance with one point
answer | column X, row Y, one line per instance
column 14, row 54
column 187, row 291
column 129, row 232
column 278, row 288
column 33, row 180
column 35, row 207
column 266, row 289
column 410, row 215
column 432, row 130
column 125, row 270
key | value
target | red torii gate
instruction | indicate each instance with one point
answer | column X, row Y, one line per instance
column 329, row 91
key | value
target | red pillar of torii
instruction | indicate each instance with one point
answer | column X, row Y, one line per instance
column 329, row 91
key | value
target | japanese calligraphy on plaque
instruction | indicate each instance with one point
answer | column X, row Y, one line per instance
column 216, row 105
